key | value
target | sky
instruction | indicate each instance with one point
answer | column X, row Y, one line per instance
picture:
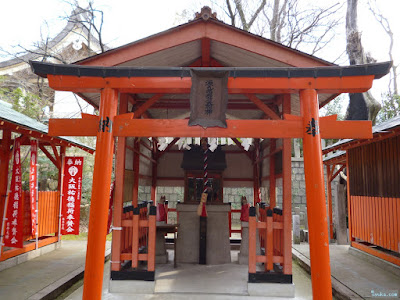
column 125, row 21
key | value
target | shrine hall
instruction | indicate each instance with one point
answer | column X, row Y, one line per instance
column 168, row 104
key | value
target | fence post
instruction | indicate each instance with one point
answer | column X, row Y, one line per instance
column 252, row 240
column 135, row 236
column 269, row 251
column 151, row 249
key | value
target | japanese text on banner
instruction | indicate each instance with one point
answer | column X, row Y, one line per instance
column 33, row 184
column 72, row 191
column 13, row 236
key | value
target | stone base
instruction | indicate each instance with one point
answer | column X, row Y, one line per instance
column 244, row 245
column 218, row 243
column 132, row 286
column 162, row 258
column 271, row 289
column 161, row 252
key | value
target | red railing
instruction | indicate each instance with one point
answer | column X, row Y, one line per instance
column 376, row 220
column 139, row 235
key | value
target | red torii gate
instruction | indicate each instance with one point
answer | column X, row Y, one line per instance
column 307, row 82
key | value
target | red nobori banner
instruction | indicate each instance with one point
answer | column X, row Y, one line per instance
column 72, row 191
column 33, row 184
column 13, row 236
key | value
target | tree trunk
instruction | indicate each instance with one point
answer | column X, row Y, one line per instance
column 361, row 106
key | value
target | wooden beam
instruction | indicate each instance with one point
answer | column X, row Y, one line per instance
column 140, row 153
column 144, row 107
column 205, row 52
column 269, row 112
column 236, row 128
column 336, row 173
column 240, row 85
column 43, row 137
column 56, row 156
column 242, row 150
column 170, row 145
column 49, row 156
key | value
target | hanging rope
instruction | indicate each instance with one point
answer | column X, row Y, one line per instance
column 205, row 170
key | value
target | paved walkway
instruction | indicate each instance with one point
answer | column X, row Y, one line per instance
column 38, row 277
column 353, row 276
column 196, row 282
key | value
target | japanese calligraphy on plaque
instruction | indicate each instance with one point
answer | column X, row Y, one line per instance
column 13, row 236
column 208, row 98
column 72, row 192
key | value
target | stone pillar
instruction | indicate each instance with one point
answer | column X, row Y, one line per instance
column 244, row 245
column 341, row 226
column 161, row 252
column 296, row 229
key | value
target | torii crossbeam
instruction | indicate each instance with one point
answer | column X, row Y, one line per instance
column 307, row 82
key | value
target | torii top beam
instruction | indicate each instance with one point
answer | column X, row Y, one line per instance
column 351, row 79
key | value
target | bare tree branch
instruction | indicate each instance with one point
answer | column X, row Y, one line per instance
column 384, row 22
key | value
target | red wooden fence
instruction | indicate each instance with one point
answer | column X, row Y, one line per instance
column 139, row 236
column 376, row 220
column 49, row 205
column 270, row 226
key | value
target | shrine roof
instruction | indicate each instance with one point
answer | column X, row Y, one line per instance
column 9, row 115
column 380, row 129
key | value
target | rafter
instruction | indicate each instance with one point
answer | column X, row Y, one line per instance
column 49, row 156
column 249, row 155
column 269, row 112
column 145, row 106
column 170, row 145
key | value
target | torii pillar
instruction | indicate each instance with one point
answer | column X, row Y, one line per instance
column 315, row 192
column 96, row 246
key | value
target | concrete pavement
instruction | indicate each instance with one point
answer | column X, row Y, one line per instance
column 45, row 276
column 200, row 282
column 353, row 277
column 353, row 274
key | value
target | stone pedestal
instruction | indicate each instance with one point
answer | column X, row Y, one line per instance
column 161, row 252
column 244, row 244
column 341, row 226
column 296, row 229
column 218, row 243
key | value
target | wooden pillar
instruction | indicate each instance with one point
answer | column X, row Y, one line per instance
column 272, row 179
column 329, row 172
column 349, row 212
column 4, row 165
column 62, row 154
column 119, row 192
column 98, row 219
column 136, row 166
column 153, row 194
column 315, row 192
column 287, row 195
column 256, row 172
column 60, row 187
